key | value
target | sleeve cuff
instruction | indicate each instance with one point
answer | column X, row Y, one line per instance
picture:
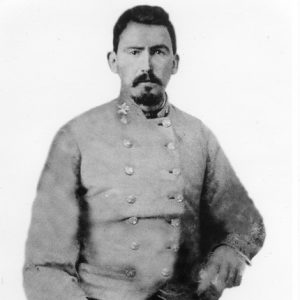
column 241, row 254
column 244, row 257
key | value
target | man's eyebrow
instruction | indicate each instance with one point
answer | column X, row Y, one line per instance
column 135, row 47
column 161, row 46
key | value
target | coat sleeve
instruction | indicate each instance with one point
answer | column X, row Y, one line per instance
column 52, row 248
column 232, row 217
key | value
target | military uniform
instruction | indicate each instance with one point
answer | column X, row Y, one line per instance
column 128, row 207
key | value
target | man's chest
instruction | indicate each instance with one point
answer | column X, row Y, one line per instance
column 147, row 170
column 157, row 155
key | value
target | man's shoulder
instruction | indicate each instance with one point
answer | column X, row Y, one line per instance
column 101, row 114
column 189, row 121
column 97, row 113
column 97, row 120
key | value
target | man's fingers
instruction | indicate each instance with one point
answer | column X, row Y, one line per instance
column 235, row 276
column 238, row 279
column 231, row 278
column 220, row 279
column 211, row 293
column 239, row 275
column 206, row 276
column 224, row 269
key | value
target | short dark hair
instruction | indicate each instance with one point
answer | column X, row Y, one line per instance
column 144, row 14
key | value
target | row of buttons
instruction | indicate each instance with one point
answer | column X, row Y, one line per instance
column 130, row 171
column 174, row 222
column 179, row 198
column 136, row 246
column 123, row 110
column 131, row 272
column 128, row 144
column 131, row 199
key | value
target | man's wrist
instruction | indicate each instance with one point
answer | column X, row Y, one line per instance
column 244, row 257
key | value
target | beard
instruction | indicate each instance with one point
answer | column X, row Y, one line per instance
column 146, row 98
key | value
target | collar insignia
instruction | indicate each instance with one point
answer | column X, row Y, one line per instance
column 123, row 109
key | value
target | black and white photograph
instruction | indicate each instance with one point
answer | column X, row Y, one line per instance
column 149, row 150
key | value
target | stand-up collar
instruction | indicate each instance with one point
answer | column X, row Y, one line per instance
column 126, row 107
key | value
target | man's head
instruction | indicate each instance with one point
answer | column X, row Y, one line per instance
column 144, row 53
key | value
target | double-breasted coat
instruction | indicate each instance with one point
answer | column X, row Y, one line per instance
column 128, row 206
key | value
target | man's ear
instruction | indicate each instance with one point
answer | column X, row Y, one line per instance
column 112, row 61
column 175, row 64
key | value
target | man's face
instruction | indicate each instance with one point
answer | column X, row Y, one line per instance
column 144, row 60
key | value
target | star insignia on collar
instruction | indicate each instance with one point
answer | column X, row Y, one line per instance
column 123, row 108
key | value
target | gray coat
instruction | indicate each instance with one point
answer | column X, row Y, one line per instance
column 128, row 206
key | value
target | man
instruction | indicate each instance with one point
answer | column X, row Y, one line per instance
column 137, row 199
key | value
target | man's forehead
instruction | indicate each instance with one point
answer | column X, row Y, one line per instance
column 141, row 35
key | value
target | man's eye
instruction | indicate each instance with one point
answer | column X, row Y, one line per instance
column 134, row 52
column 159, row 52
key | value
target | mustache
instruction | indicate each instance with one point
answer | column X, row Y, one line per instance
column 146, row 77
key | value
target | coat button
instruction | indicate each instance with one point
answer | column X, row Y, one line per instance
column 134, row 246
column 124, row 120
column 179, row 198
column 127, row 143
column 131, row 199
column 130, row 272
column 166, row 123
column 165, row 272
column 171, row 146
column 129, row 170
column 175, row 222
column 175, row 248
column 176, row 171
column 133, row 220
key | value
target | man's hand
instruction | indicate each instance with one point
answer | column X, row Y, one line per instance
column 224, row 269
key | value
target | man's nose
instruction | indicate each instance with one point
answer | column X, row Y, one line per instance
column 146, row 62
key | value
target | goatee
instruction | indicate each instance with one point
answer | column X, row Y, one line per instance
column 149, row 99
